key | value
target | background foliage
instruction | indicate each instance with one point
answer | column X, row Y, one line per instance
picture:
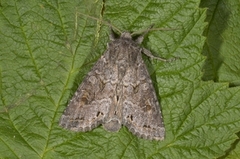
column 47, row 47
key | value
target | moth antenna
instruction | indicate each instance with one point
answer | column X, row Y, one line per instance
column 104, row 22
column 140, row 38
column 164, row 29
column 145, row 31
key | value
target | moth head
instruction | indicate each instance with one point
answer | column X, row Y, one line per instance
column 135, row 36
column 126, row 35
column 123, row 35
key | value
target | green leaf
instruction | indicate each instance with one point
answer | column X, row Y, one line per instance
column 47, row 47
column 222, row 44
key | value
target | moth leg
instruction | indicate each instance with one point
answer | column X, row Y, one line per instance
column 139, row 40
column 149, row 54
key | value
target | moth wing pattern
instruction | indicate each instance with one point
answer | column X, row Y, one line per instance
column 91, row 102
column 141, row 109
column 117, row 91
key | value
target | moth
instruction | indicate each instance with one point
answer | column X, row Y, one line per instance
column 117, row 91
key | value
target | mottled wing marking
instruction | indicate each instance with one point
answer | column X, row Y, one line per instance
column 141, row 110
column 92, row 100
column 117, row 91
